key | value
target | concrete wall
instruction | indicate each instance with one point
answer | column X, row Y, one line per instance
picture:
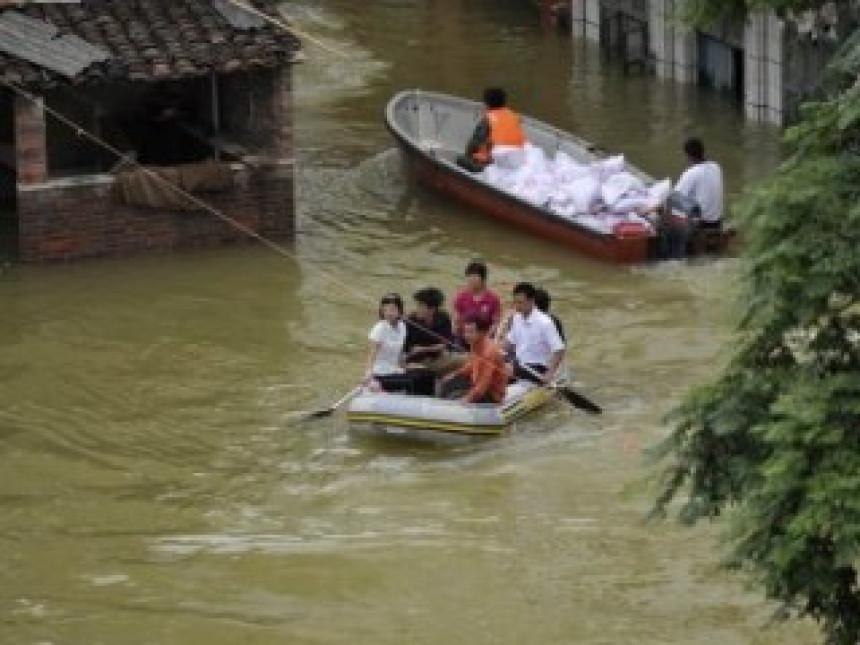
column 673, row 47
column 585, row 19
column 763, row 68
column 771, row 57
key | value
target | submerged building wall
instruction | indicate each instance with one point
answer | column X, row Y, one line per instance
column 764, row 62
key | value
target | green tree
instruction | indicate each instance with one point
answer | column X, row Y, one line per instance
column 774, row 442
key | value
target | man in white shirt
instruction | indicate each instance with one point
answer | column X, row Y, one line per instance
column 534, row 338
column 703, row 182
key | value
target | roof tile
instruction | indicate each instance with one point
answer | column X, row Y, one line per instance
column 155, row 40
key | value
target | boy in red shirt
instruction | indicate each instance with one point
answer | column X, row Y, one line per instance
column 476, row 300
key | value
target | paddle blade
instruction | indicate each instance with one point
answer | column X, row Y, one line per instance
column 319, row 414
column 577, row 400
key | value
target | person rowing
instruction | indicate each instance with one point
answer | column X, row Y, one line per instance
column 484, row 377
column 429, row 335
column 387, row 337
column 534, row 339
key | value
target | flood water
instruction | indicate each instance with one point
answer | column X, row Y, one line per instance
column 154, row 492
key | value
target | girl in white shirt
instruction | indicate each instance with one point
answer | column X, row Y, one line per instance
column 387, row 338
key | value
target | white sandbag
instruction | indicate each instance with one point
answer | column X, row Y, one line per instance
column 563, row 160
column 598, row 224
column 631, row 204
column 509, row 157
column 501, row 178
column 536, row 160
column 618, row 185
column 658, row 193
column 565, row 169
column 584, row 193
column 610, row 166
column 535, row 190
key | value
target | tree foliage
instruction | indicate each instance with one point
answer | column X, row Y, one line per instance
column 705, row 12
column 774, row 442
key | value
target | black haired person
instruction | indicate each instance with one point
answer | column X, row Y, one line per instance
column 476, row 300
column 387, row 339
column 702, row 181
column 702, row 184
column 500, row 126
column 534, row 339
column 429, row 334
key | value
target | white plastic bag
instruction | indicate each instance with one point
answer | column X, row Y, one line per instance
column 584, row 193
column 509, row 157
column 618, row 185
column 658, row 193
column 610, row 166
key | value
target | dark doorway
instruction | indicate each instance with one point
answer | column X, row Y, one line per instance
column 721, row 66
column 8, row 179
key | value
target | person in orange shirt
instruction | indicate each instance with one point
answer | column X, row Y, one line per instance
column 500, row 126
column 483, row 377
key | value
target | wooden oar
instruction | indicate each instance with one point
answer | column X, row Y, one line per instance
column 324, row 412
column 573, row 397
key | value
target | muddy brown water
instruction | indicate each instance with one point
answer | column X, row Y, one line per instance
column 153, row 491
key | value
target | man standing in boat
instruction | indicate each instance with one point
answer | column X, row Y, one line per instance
column 476, row 300
column 500, row 126
column 534, row 338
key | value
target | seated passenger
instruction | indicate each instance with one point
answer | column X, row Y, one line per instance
column 483, row 379
column 701, row 184
column 429, row 335
column 387, row 338
column 500, row 126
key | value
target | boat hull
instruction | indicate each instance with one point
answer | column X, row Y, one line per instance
column 400, row 416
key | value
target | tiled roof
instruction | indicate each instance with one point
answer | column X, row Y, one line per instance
column 149, row 40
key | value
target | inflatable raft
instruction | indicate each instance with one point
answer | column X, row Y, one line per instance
column 425, row 418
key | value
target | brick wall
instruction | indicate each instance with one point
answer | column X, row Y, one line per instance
column 283, row 103
column 31, row 155
column 77, row 218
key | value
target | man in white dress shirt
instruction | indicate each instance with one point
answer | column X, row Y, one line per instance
column 534, row 338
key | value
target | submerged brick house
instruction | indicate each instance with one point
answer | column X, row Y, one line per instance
column 198, row 89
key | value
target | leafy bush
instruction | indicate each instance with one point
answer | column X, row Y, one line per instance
column 774, row 442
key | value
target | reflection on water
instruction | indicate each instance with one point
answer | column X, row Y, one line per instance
column 153, row 491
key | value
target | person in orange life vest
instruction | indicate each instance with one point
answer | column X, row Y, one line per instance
column 500, row 127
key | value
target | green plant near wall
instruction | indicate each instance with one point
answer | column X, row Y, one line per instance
column 774, row 442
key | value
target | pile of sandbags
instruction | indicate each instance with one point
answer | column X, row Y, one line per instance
column 598, row 195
